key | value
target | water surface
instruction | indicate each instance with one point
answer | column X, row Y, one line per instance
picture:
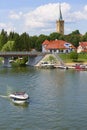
column 58, row 99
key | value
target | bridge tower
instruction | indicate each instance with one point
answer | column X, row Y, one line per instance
column 60, row 22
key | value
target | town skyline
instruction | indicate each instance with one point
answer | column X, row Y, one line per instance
column 40, row 17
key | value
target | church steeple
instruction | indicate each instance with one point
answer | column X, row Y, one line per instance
column 60, row 22
column 60, row 13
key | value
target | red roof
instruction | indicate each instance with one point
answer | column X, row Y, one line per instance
column 57, row 44
column 46, row 42
column 83, row 44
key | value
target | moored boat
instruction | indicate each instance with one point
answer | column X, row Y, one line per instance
column 47, row 65
column 61, row 66
column 19, row 97
column 80, row 67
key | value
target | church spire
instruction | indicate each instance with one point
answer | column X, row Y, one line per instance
column 60, row 22
column 60, row 13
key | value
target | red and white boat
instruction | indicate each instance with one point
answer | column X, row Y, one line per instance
column 80, row 67
column 19, row 97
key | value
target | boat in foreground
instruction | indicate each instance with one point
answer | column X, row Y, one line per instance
column 19, row 97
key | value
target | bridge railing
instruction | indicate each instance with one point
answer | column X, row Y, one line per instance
column 13, row 52
column 21, row 53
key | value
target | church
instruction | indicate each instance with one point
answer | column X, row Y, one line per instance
column 60, row 23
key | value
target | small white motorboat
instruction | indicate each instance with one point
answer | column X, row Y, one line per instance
column 61, row 67
column 19, row 97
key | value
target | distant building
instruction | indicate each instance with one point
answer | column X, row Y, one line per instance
column 60, row 23
column 82, row 47
column 57, row 46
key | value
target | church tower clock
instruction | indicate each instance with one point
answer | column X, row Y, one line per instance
column 60, row 23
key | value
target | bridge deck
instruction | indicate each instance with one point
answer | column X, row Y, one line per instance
column 3, row 54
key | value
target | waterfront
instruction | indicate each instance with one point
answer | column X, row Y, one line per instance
column 58, row 99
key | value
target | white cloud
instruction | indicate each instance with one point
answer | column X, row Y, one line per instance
column 43, row 18
column 14, row 15
column 44, row 15
column 2, row 25
column 85, row 8
column 77, row 15
column 8, row 27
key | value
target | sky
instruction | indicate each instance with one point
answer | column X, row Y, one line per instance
column 37, row 17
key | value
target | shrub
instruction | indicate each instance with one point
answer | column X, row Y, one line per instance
column 74, row 56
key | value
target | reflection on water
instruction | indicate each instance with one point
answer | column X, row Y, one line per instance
column 24, row 105
column 58, row 99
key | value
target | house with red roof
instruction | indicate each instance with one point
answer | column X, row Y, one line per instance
column 57, row 46
column 82, row 47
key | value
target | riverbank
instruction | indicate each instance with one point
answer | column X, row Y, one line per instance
column 73, row 63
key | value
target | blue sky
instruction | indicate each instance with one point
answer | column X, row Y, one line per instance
column 39, row 16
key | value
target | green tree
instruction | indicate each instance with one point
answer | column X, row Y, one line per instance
column 74, row 56
column 39, row 41
column 33, row 40
column 24, row 42
column 76, row 32
column 3, row 38
column 12, row 36
column 74, row 39
column 84, row 37
column 8, row 46
column 55, row 35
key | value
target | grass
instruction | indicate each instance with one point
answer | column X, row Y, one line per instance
column 82, row 57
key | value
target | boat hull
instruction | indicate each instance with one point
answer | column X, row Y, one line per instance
column 19, row 98
column 16, row 101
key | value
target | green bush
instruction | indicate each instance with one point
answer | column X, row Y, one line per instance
column 74, row 56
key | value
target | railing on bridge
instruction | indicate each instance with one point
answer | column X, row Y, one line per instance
column 21, row 53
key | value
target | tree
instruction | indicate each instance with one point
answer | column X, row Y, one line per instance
column 12, row 36
column 24, row 42
column 55, row 35
column 39, row 41
column 3, row 38
column 33, row 40
column 84, row 37
column 76, row 32
column 8, row 46
column 74, row 39
column 74, row 56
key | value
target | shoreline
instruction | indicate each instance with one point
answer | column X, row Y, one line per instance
column 73, row 63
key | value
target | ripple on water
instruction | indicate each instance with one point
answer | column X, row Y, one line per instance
column 58, row 99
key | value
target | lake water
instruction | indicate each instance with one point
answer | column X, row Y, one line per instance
column 58, row 99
